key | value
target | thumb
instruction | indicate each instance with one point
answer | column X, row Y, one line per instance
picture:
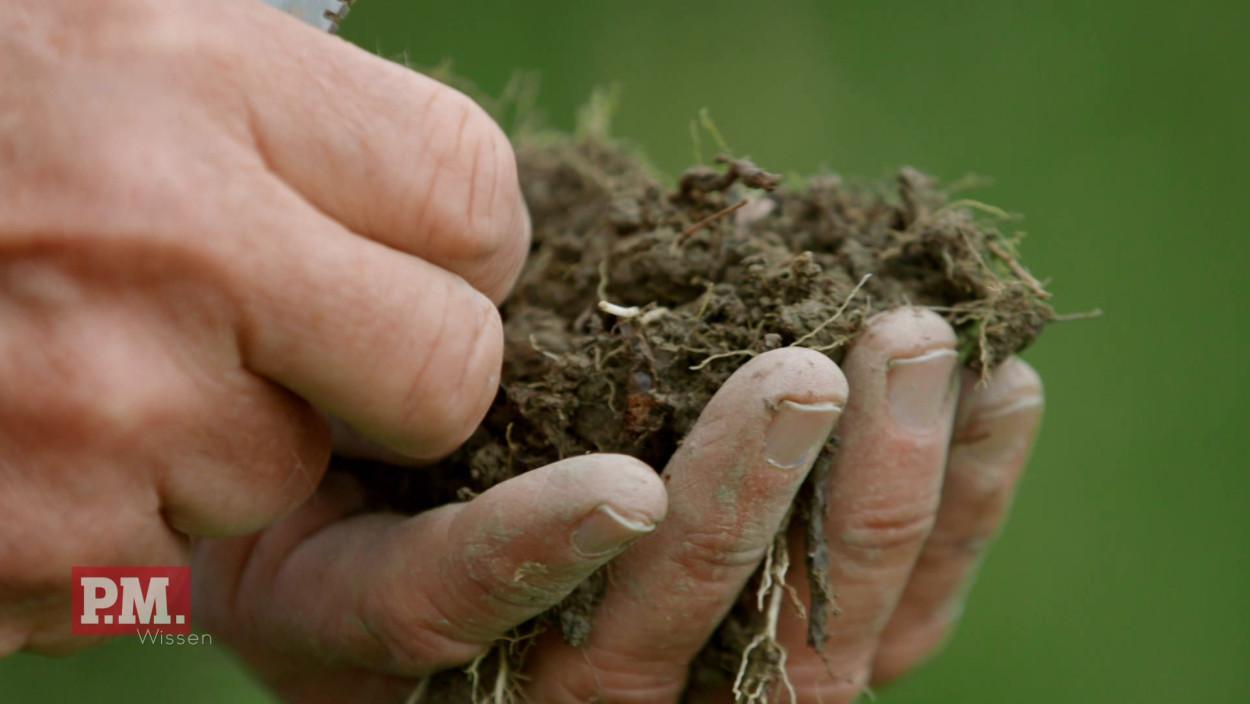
column 409, row 596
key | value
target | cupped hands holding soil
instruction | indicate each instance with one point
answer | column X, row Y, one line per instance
column 639, row 300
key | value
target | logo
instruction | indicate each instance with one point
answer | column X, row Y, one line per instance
column 113, row 601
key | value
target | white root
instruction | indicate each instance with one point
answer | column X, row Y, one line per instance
column 622, row 312
column 837, row 314
column 772, row 594
column 644, row 316
column 418, row 694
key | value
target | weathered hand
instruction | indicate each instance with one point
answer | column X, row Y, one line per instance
column 332, row 604
column 923, row 477
column 216, row 226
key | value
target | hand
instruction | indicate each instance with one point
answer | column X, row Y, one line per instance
column 217, row 224
column 333, row 604
column 926, row 468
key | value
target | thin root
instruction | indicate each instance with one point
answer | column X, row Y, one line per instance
column 418, row 694
column 978, row 205
column 708, row 221
column 707, row 299
column 722, row 355
column 1069, row 317
column 539, row 349
column 764, row 659
column 1020, row 271
column 841, row 309
column 505, row 689
column 603, row 279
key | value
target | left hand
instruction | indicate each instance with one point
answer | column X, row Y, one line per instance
column 926, row 468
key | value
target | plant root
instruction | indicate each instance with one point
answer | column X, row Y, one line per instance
column 763, row 662
column 814, row 509
column 504, row 687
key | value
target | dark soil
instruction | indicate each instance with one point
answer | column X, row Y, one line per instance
column 697, row 279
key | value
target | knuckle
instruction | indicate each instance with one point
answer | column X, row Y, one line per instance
column 498, row 589
column 93, row 380
column 832, row 692
column 960, row 546
column 715, row 555
column 983, row 492
column 479, row 603
column 621, row 687
column 460, row 374
column 159, row 33
column 68, row 197
column 507, row 594
column 416, row 647
column 132, row 411
column 889, row 529
column 492, row 184
column 476, row 158
column 287, row 451
column 67, row 170
column 417, row 632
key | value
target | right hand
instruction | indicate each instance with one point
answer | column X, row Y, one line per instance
column 217, row 226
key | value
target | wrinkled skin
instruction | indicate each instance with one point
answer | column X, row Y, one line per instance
column 206, row 246
column 219, row 229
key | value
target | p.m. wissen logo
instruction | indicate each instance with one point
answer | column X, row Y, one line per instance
column 153, row 603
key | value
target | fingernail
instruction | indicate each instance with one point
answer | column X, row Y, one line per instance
column 920, row 388
column 798, row 431
column 999, row 434
column 605, row 531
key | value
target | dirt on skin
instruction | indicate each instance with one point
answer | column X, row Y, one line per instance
column 639, row 300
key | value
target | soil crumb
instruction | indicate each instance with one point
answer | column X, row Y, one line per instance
column 639, row 300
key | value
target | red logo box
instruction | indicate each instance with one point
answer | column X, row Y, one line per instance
column 130, row 601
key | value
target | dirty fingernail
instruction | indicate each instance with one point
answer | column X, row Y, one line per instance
column 605, row 531
column 798, row 431
column 997, row 435
column 920, row 388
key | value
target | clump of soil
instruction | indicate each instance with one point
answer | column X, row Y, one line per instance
column 640, row 299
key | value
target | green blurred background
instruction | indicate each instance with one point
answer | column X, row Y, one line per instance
column 1118, row 128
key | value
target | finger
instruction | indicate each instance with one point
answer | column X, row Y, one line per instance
column 253, row 452
column 730, row 485
column 392, row 154
column 403, row 351
column 994, row 432
column 883, row 493
column 350, row 444
column 409, row 596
